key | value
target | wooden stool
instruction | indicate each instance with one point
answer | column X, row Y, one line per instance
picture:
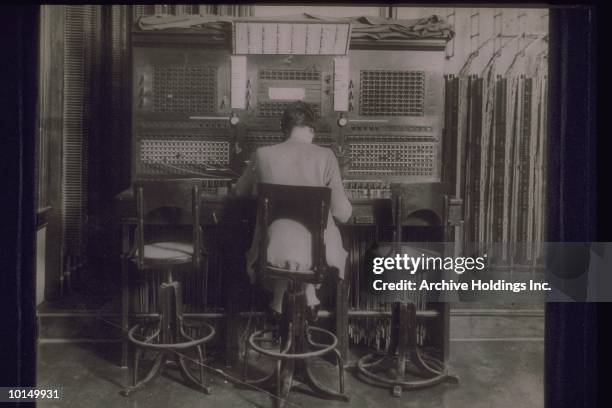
column 157, row 202
column 308, row 206
column 416, row 204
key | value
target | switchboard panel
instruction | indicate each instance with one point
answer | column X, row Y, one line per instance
column 180, row 111
column 395, row 115
column 390, row 102
column 391, row 93
column 272, row 83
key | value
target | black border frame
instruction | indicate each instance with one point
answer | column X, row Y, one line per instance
column 18, row 99
column 578, row 150
column 571, row 358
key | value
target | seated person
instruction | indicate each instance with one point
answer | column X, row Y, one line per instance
column 298, row 162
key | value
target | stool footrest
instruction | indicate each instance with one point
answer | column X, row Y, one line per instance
column 328, row 348
column 171, row 346
column 365, row 364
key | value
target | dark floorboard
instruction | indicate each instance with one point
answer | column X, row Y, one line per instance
column 500, row 373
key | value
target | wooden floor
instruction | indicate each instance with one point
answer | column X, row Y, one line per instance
column 500, row 362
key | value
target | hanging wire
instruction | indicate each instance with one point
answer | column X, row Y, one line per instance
column 473, row 55
column 168, row 165
column 497, row 53
column 521, row 52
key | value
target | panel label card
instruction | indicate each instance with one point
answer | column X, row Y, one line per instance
column 260, row 38
column 287, row 94
column 341, row 82
column 238, row 81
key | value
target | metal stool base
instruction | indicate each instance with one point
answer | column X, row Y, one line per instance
column 158, row 367
column 394, row 378
column 170, row 340
column 389, row 369
column 297, row 347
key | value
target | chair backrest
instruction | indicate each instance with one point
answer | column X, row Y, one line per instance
column 308, row 206
column 419, row 204
column 168, row 202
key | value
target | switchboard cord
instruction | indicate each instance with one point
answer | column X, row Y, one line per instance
column 522, row 51
column 198, row 173
column 227, row 169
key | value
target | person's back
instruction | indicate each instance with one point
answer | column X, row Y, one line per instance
column 300, row 163
column 293, row 162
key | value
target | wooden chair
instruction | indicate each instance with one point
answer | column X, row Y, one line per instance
column 170, row 205
column 310, row 207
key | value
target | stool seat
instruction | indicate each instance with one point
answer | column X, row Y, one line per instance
column 167, row 252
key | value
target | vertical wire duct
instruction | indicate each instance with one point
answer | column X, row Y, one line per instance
column 79, row 59
column 507, row 190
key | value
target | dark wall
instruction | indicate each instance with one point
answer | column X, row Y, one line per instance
column 19, row 42
column 109, row 145
column 571, row 328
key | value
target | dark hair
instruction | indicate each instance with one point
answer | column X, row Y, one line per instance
column 297, row 114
